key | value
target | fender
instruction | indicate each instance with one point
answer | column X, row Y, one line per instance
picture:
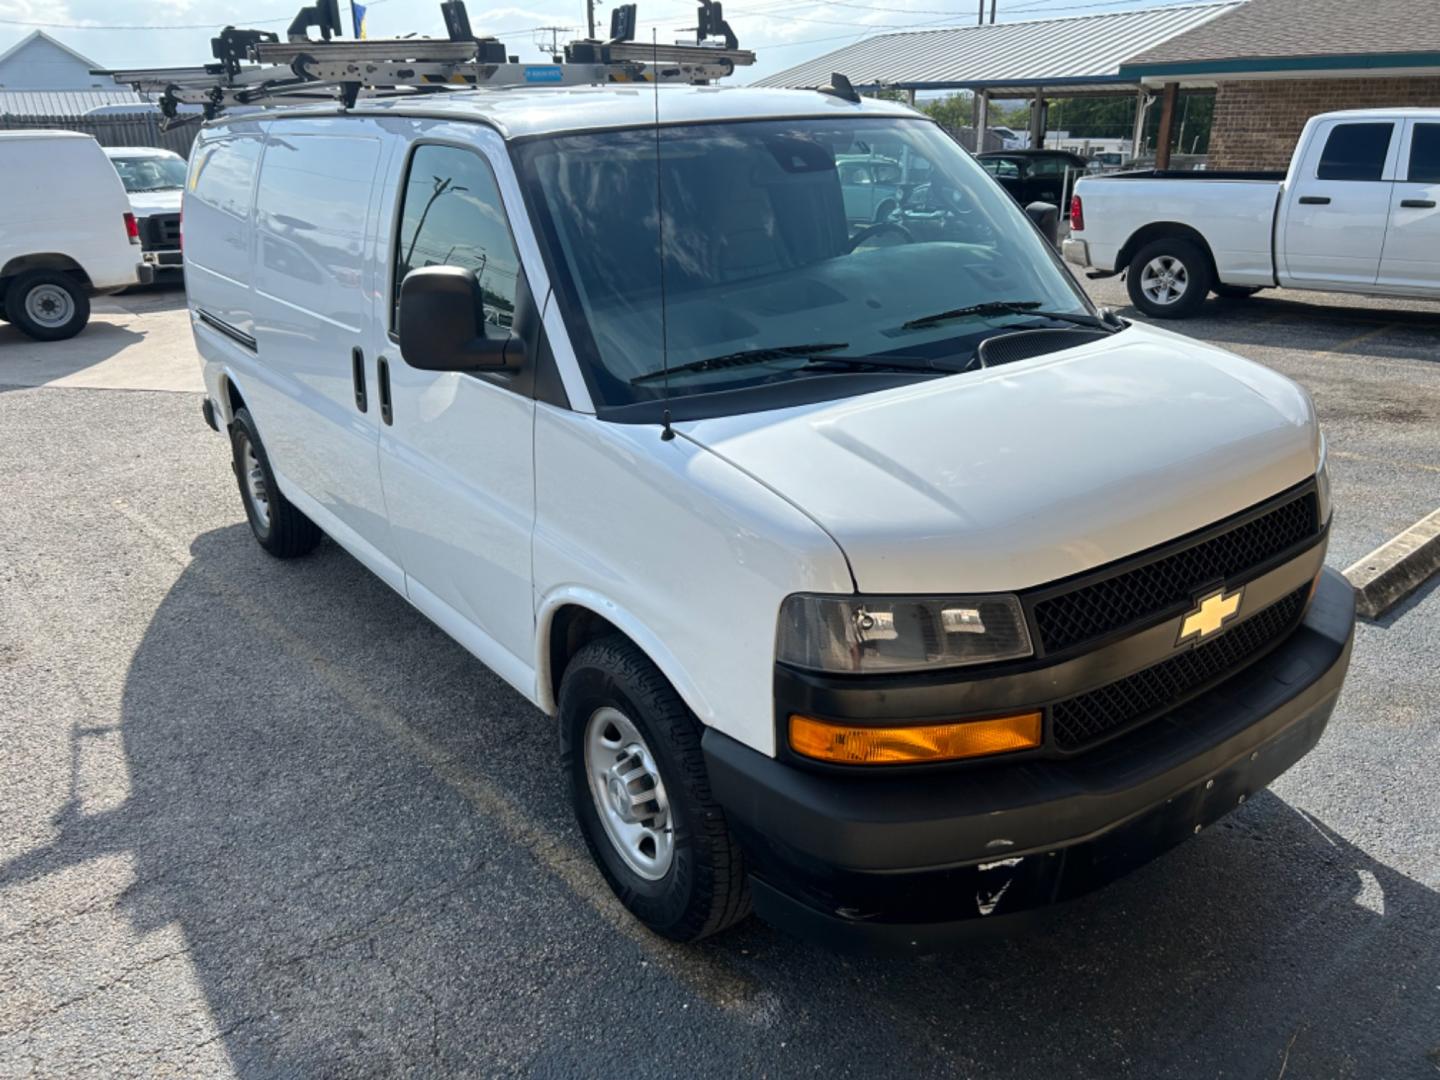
column 629, row 625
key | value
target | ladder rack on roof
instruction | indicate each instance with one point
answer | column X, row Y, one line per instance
column 254, row 67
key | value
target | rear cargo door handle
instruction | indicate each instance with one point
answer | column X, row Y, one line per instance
column 357, row 372
column 1314, row 200
column 1418, row 204
column 385, row 412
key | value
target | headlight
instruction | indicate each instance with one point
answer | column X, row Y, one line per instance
column 1322, row 485
column 876, row 634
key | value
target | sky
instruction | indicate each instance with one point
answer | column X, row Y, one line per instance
column 143, row 33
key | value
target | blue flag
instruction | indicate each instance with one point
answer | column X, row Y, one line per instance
column 357, row 14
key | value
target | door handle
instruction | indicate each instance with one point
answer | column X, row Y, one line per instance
column 386, row 413
column 1314, row 200
column 1418, row 204
column 357, row 372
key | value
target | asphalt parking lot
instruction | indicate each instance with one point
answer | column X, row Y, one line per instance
column 262, row 819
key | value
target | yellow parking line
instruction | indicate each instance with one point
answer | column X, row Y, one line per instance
column 708, row 977
column 1348, row 456
column 1366, row 336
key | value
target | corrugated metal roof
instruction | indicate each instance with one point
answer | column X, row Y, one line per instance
column 62, row 102
column 1069, row 52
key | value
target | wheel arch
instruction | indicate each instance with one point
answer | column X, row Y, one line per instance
column 570, row 618
column 1162, row 230
column 45, row 260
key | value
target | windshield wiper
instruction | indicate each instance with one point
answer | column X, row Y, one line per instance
column 745, row 357
column 1011, row 307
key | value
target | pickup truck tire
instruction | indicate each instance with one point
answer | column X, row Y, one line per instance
column 630, row 750
column 1169, row 278
column 47, row 305
column 279, row 528
column 1234, row 292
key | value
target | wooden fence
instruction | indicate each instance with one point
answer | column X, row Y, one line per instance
column 129, row 129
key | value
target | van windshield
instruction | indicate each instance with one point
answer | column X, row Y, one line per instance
column 789, row 246
column 150, row 173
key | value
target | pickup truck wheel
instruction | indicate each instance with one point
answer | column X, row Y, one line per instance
column 1234, row 292
column 281, row 529
column 1168, row 278
column 630, row 749
column 47, row 305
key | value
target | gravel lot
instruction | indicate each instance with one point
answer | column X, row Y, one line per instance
column 262, row 819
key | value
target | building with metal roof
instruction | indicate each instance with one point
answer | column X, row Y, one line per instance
column 64, row 102
column 1077, row 55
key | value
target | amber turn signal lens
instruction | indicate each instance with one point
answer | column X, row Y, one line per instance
column 850, row 744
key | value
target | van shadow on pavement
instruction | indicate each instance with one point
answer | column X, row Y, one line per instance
column 347, row 911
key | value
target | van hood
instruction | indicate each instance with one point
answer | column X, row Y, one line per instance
column 1021, row 475
column 145, row 203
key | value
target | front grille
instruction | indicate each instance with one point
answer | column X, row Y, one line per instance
column 1084, row 720
column 160, row 232
column 1091, row 611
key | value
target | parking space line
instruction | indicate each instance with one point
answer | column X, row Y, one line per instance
column 709, row 978
column 1366, row 336
column 1349, row 456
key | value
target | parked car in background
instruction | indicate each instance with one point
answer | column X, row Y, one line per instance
column 154, row 180
column 1358, row 211
column 870, row 184
column 1034, row 175
column 835, row 617
column 66, row 232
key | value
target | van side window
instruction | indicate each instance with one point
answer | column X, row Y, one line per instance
column 453, row 216
column 1355, row 152
column 224, row 174
column 1424, row 154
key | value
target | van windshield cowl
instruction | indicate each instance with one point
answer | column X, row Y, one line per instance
column 775, row 232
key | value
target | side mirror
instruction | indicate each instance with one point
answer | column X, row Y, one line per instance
column 1046, row 217
column 442, row 326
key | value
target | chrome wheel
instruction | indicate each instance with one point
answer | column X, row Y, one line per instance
column 49, row 306
column 255, row 489
column 1164, row 279
column 628, row 793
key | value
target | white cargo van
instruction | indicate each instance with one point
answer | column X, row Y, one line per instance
column 874, row 577
column 66, row 232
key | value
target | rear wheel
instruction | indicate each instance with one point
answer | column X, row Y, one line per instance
column 279, row 528
column 1169, row 278
column 47, row 305
column 631, row 754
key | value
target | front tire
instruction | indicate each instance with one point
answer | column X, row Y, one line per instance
column 1169, row 278
column 1234, row 292
column 279, row 528
column 47, row 305
column 630, row 749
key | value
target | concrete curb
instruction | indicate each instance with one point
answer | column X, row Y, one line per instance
column 1396, row 568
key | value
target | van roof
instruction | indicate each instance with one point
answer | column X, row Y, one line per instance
column 16, row 136
column 525, row 111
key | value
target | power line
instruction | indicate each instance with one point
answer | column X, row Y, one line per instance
column 182, row 26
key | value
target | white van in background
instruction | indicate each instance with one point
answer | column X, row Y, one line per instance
column 66, row 232
column 154, row 180
column 872, row 574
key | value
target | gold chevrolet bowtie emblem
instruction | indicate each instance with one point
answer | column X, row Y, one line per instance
column 1210, row 614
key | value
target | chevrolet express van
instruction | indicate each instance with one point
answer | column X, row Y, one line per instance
column 875, row 579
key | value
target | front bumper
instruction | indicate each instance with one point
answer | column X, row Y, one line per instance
column 1076, row 251
column 917, row 861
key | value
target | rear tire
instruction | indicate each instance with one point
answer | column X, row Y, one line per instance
column 1169, row 278
column 47, row 305
column 668, row 854
column 1234, row 292
column 279, row 528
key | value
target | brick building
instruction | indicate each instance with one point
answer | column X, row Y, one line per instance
column 1275, row 63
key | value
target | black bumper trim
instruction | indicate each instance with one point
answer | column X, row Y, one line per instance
column 895, row 859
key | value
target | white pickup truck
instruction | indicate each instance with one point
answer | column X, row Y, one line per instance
column 1356, row 212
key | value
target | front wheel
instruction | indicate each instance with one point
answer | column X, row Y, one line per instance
column 631, row 753
column 47, row 305
column 1169, row 278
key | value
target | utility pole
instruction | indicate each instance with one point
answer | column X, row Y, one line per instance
column 992, row 12
column 590, row 19
column 981, row 20
column 554, row 32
